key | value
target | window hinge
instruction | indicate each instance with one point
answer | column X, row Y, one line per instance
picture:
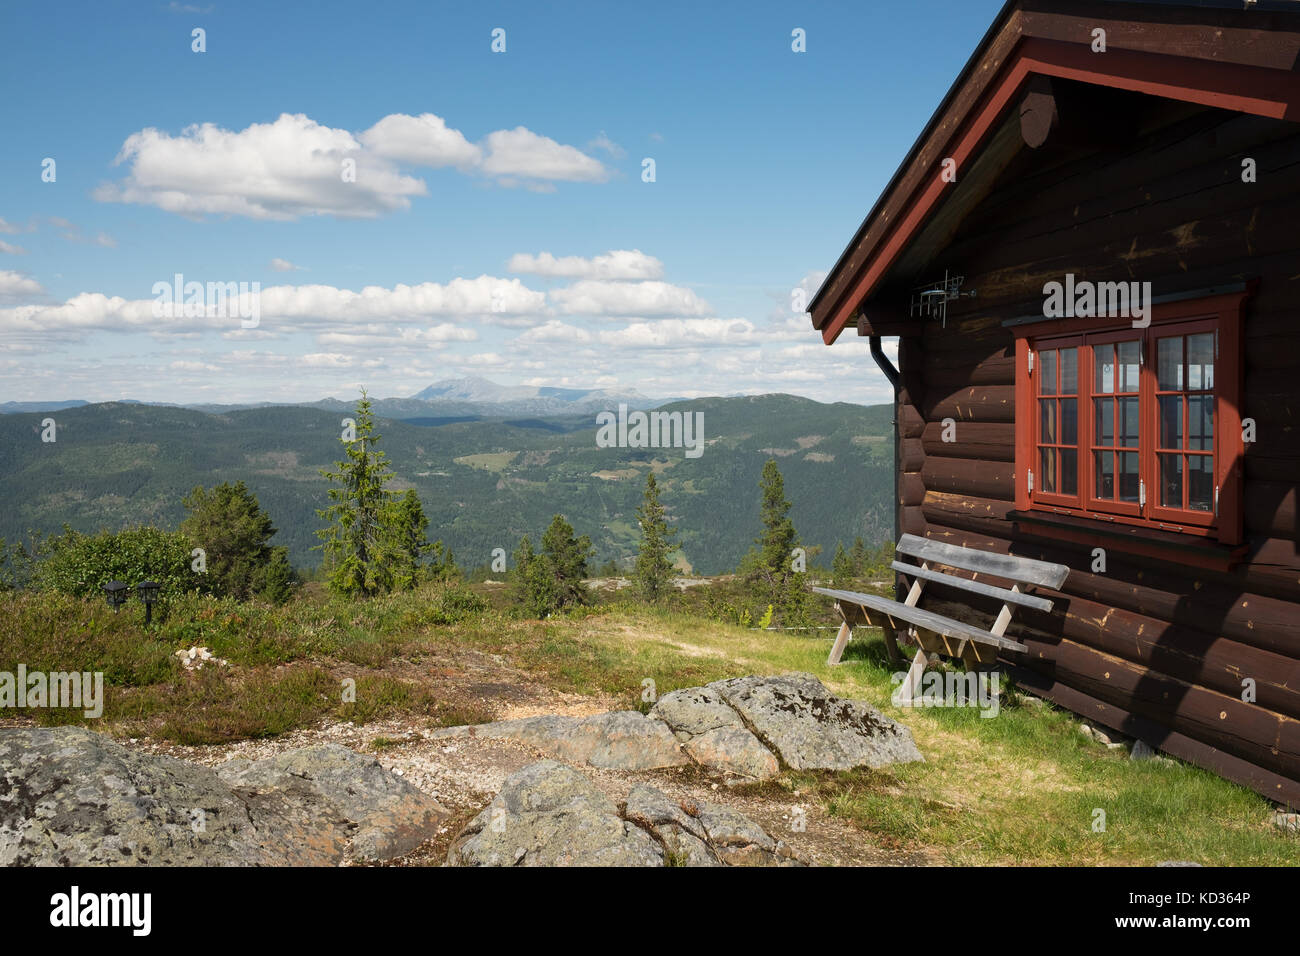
column 1216, row 501
column 1031, row 480
column 1031, row 361
column 1142, row 352
column 1142, row 493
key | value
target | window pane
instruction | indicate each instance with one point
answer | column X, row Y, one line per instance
column 1171, row 421
column 1047, row 415
column 1069, row 471
column 1048, row 470
column 1171, row 481
column 1104, row 462
column 1047, row 378
column 1069, row 421
column 1129, row 413
column 1200, row 422
column 1103, row 365
column 1130, row 354
column 1200, row 361
column 1169, row 363
column 1069, row 371
column 1105, row 421
column 1128, row 476
column 1200, row 482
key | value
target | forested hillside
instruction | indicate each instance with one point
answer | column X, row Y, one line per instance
column 483, row 484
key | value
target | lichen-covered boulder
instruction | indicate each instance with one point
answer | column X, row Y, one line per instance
column 809, row 728
column 548, row 814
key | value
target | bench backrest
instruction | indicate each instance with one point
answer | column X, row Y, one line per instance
column 1008, row 566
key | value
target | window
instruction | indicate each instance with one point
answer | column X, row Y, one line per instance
column 1134, row 425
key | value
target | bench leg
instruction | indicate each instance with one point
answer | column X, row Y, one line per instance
column 912, row 682
column 841, row 640
column 891, row 644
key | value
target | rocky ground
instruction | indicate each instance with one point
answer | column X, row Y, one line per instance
column 692, row 782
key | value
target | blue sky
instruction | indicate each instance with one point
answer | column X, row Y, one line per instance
column 498, row 219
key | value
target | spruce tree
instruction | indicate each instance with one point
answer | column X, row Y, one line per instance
column 652, row 575
column 564, row 558
column 407, row 525
column 360, row 557
column 772, row 566
column 859, row 557
column 234, row 533
column 842, row 571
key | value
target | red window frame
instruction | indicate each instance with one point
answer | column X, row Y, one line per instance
column 1220, row 313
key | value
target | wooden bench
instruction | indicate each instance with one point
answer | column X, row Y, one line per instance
column 934, row 633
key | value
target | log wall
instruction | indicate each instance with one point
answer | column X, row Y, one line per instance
column 1152, row 646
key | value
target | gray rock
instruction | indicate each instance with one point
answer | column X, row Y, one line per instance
column 733, row 750
column 1178, row 863
column 548, row 814
column 71, row 797
column 713, row 734
column 622, row 740
column 682, row 836
column 1287, row 821
column 809, row 728
column 387, row 816
column 695, row 711
column 1141, row 751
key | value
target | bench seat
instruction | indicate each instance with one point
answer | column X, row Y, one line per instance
column 919, row 617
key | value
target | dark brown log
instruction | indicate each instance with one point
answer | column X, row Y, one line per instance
column 979, row 515
column 1270, row 508
column 980, row 479
column 910, row 422
column 913, row 454
column 911, row 488
column 984, row 403
column 986, row 441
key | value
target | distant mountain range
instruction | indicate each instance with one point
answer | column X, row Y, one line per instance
column 452, row 399
column 483, row 482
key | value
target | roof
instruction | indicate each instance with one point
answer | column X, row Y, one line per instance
column 1212, row 52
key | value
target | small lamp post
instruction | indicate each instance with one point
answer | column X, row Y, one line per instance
column 115, row 592
column 147, row 591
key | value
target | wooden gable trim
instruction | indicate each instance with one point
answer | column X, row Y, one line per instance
column 1233, row 86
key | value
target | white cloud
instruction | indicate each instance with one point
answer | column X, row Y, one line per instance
column 8, row 228
column 521, row 152
column 648, row 299
column 424, row 140
column 681, row 333
column 11, row 249
column 283, row 170
column 615, row 264
column 553, row 331
column 294, row 166
column 348, row 316
column 284, row 265
column 608, row 145
column 15, row 285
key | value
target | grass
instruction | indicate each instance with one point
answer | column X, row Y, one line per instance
column 1024, row 787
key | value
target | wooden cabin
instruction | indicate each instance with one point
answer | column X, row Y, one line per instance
column 1091, row 153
